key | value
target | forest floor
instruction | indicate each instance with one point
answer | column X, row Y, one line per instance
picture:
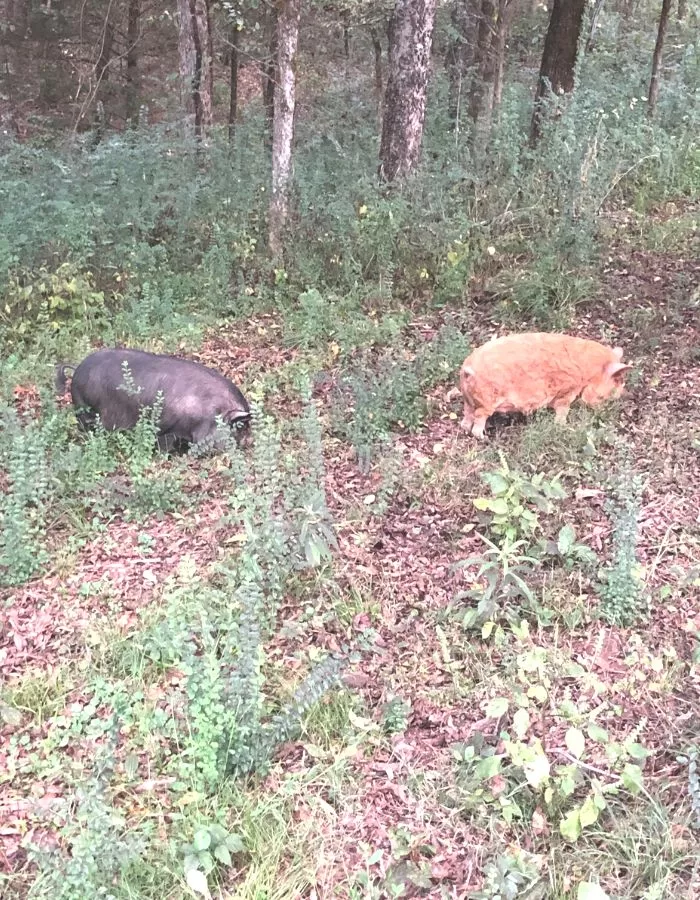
column 388, row 807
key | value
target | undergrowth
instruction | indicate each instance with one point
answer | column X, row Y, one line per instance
column 622, row 596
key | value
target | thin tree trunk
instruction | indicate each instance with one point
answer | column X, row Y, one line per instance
column 105, row 57
column 196, row 71
column 482, row 58
column 268, row 72
column 682, row 9
column 460, row 54
column 233, row 63
column 410, row 41
column 594, row 24
column 19, row 16
column 505, row 16
column 196, row 63
column 345, row 20
column 203, row 75
column 378, row 75
column 187, row 63
column 132, row 61
column 558, row 57
column 654, row 83
column 288, row 15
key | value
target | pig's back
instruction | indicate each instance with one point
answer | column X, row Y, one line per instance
column 527, row 371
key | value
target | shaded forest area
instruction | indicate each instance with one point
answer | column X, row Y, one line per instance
column 368, row 655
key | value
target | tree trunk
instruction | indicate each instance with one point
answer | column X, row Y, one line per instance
column 658, row 54
column 460, row 54
column 269, row 73
column 505, row 16
column 594, row 24
column 410, row 40
column 196, row 63
column 187, row 62
column 682, row 9
column 482, row 57
column 378, row 76
column 558, row 57
column 288, row 14
column 16, row 17
column 132, row 58
column 233, row 63
column 105, row 57
column 345, row 22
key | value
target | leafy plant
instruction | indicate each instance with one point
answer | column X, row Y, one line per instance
column 510, row 876
column 395, row 715
column 212, row 847
column 513, row 509
column 50, row 299
column 544, row 292
column 504, row 569
column 22, row 508
column 522, row 782
column 97, row 848
column 439, row 359
column 216, row 639
column 622, row 597
column 567, row 550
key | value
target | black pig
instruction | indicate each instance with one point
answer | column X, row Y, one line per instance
column 192, row 395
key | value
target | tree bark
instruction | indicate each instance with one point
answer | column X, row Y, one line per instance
column 558, row 57
column 105, row 57
column 16, row 17
column 187, row 62
column 132, row 58
column 460, row 54
column 196, row 63
column 288, row 15
column 233, row 63
column 378, row 75
column 269, row 73
column 410, row 40
column 654, row 83
column 482, row 57
column 345, row 22
column 594, row 24
column 505, row 16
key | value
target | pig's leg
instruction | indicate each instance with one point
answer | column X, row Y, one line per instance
column 561, row 406
column 468, row 417
column 561, row 410
column 166, row 442
column 480, row 417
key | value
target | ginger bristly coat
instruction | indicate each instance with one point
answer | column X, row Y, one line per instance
column 525, row 372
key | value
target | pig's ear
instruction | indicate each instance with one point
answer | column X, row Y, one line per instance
column 617, row 369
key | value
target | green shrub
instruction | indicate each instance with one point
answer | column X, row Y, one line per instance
column 513, row 510
column 216, row 637
column 23, row 454
column 50, row 299
column 96, row 850
column 376, row 395
column 622, row 595
column 545, row 292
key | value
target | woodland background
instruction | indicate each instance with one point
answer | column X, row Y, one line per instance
column 367, row 657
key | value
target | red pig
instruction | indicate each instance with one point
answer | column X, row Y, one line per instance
column 525, row 372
